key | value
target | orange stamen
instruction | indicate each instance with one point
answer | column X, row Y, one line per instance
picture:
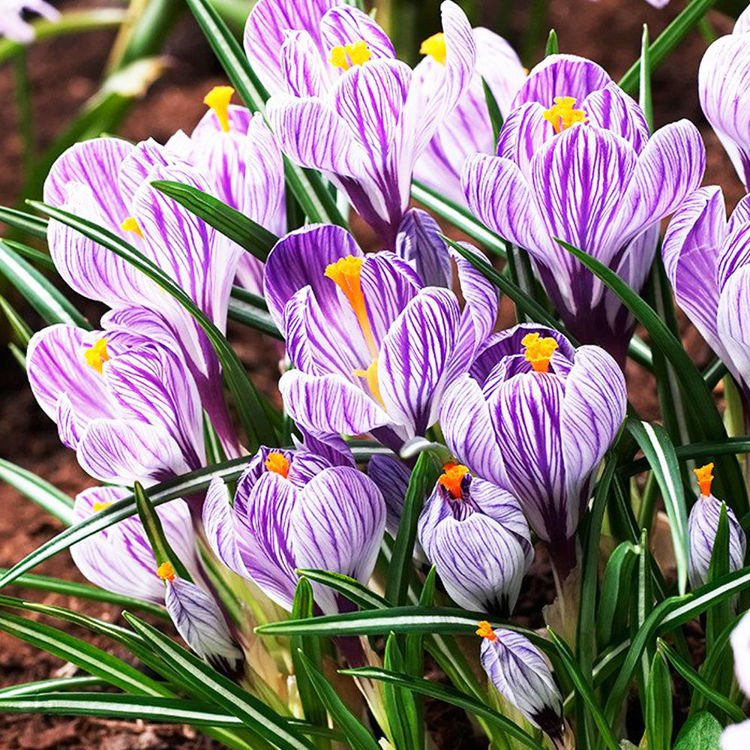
column 705, row 476
column 485, row 631
column 165, row 571
column 539, row 351
column 563, row 115
column 277, row 463
column 452, row 479
column 97, row 355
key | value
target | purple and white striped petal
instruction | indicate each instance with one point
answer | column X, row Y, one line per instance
column 302, row 67
column 522, row 675
column 724, row 90
column 612, row 109
column 392, row 477
column 467, row 426
column 123, row 451
column 199, row 621
column 343, row 25
column 330, row 404
column 561, row 75
column 337, row 524
column 265, row 32
column 220, row 527
column 419, row 242
column 733, row 324
column 414, row 358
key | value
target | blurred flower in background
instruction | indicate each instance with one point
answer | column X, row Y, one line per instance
column 14, row 26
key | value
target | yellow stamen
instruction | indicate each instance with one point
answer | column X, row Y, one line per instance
column 539, row 351
column 434, row 46
column 97, row 355
column 131, row 225
column 344, row 56
column 562, row 114
column 452, row 479
column 165, row 571
column 277, row 463
column 218, row 99
column 705, row 477
column 345, row 273
column 100, row 506
column 371, row 375
column 485, row 631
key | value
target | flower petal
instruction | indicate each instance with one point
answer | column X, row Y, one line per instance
column 392, row 479
column 343, row 25
column 612, row 109
column 419, row 242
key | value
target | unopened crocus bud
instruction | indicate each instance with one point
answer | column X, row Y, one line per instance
column 703, row 524
column 200, row 622
column 521, row 674
column 476, row 535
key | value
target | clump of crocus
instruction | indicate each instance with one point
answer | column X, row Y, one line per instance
column 521, row 674
column 703, row 525
column 536, row 417
column 475, row 533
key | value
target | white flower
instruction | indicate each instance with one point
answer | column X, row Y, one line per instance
column 737, row 736
column 12, row 23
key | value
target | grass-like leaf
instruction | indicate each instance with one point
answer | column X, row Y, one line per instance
column 658, row 708
column 38, row 490
column 660, row 454
column 252, row 409
column 18, row 325
column 231, row 223
column 27, row 223
column 221, row 691
column 250, row 310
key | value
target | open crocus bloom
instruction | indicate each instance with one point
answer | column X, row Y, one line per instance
column 366, row 128
column 120, row 559
column 476, row 535
column 122, row 399
column 292, row 510
column 522, row 675
column 574, row 162
column 723, row 80
column 707, row 260
column 538, row 423
column 703, row 523
column 373, row 349
column 468, row 130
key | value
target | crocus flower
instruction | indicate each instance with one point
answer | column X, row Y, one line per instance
column 536, row 417
column 703, row 524
column 723, row 80
column 468, row 130
column 574, row 162
column 12, row 23
column 737, row 736
column 120, row 559
column 706, row 260
column 521, row 674
column 123, row 399
column 373, row 349
column 364, row 124
column 291, row 510
column 392, row 476
column 476, row 535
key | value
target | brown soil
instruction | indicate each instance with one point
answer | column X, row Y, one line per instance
column 64, row 74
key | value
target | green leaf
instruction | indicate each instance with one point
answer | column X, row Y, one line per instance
column 307, row 186
column 250, row 310
column 644, row 93
column 152, row 525
column 667, row 41
column 91, row 659
column 253, row 410
column 37, row 257
column 303, row 608
column 617, row 584
column 553, row 46
column 414, row 655
column 222, row 691
column 182, row 486
column 37, row 290
column 584, row 690
column 694, row 386
column 701, row 732
column 660, row 454
column 39, row 491
column 231, row 223
column 28, row 223
column 496, row 118
column 718, row 617
column 448, row 695
column 40, row 687
column 658, row 709
column 422, row 481
column 697, row 683
column 400, row 706
column 352, row 589
column 358, row 737
column 460, row 217
column 20, row 328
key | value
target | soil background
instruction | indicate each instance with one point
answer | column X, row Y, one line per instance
column 64, row 74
